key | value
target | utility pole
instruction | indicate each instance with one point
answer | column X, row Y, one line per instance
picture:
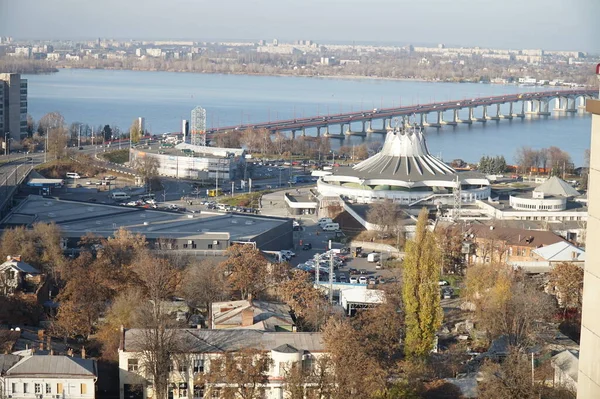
column 79, row 137
column 46, row 147
column 330, row 273
column 317, row 269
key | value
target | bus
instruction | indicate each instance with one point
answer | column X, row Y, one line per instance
column 215, row 192
column 302, row 179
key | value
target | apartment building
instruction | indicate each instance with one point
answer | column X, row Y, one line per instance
column 13, row 107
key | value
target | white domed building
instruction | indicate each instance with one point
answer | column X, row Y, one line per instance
column 405, row 172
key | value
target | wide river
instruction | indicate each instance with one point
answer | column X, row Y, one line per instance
column 99, row 97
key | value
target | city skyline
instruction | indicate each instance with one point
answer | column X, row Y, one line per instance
column 464, row 23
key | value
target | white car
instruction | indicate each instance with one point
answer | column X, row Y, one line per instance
column 287, row 252
column 362, row 280
column 353, row 280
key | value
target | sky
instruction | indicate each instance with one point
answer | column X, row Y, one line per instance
column 546, row 24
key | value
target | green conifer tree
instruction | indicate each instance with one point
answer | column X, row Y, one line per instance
column 420, row 291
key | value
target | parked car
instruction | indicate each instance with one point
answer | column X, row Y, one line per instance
column 353, row 280
column 352, row 271
column 307, row 246
column 363, row 271
column 287, row 252
column 443, row 282
column 362, row 280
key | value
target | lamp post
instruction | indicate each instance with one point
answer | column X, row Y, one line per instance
column 6, row 143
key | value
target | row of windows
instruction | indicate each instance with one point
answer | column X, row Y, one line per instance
column 197, row 366
column 539, row 207
column 41, row 388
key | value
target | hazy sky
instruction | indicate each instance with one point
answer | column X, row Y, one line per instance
column 548, row 24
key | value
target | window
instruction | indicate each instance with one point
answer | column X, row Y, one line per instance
column 59, row 388
column 183, row 368
column 48, row 388
column 37, row 388
column 25, row 387
column 209, row 246
column 83, row 389
column 198, row 391
column 14, row 387
column 182, row 389
column 132, row 365
column 170, row 368
column 198, row 366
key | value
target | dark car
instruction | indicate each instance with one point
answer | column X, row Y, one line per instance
column 307, row 246
column 363, row 271
column 92, row 200
column 352, row 271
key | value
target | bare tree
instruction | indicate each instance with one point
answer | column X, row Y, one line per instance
column 157, row 340
column 383, row 214
column 146, row 167
column 203, row 284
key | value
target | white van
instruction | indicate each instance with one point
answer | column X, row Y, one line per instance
column 330, row 226
column 119, row 195
column 373, row 257
column 323, row 221
column 73, row 175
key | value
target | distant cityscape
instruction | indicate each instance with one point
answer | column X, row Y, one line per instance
column 308, row 58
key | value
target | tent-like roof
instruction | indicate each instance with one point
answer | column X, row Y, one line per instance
column 562, row 251
column 568, row 362
column 404, row 156
column 557, row 186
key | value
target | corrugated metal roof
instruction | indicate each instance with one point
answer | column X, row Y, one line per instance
column 210, row 341
column 20, row 266
column 7, row 361
column 561, row 252
column 47, row 365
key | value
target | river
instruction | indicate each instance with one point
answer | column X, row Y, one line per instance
column 99, row 97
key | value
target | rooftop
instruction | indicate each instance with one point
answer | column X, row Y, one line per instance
column 76, row 219
column 267, row 315
column 46, row 365
column 217, row 341
column 561, row 252
column 515, row 236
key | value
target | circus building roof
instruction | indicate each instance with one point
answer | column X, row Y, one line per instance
column 404, row 156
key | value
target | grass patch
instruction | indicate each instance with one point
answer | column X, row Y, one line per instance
column 245, row 200
column 58, row 169
column 118, row 156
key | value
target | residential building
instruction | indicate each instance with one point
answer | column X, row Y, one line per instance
column 200, row 347
column 48, row 376
column 507, row 244
column 16, row 275
column 13, row 107
column 255, row 315
column 588, row 380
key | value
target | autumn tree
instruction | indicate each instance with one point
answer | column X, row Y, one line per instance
column 135, row 131
column 383, row 214
column 146, row 167
column 308, row 304
column 39, row 246
column 420, row 292
column 505, row 303
column 355, row 374
column 510, row 379
column 566, row 282
column 229, row 139
column 204, row 283
column 157, row 339
column 248, row 271
column 241, row 374
column 450, row 241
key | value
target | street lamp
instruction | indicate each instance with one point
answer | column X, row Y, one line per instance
column 6, row 138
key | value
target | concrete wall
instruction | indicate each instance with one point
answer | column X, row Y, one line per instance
column 589, row 367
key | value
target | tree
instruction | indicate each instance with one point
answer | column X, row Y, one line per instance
column 308, row 304
column 510, row 379
column 82, row 299
column 420, row 292
column 355, row 374
column 107, row 133
column 229, row 139
column 157, row 339
column 241, row 374
column 505, row 303
column 248, row 271
column 566, row 281
column 383, row 214
column 203, row 284
column 450, row 240
column 146, row 167
column 135, row 131
column 526, row 159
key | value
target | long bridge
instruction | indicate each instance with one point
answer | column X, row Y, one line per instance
column 519, row 105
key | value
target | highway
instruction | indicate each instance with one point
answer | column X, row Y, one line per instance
column 386, row 113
